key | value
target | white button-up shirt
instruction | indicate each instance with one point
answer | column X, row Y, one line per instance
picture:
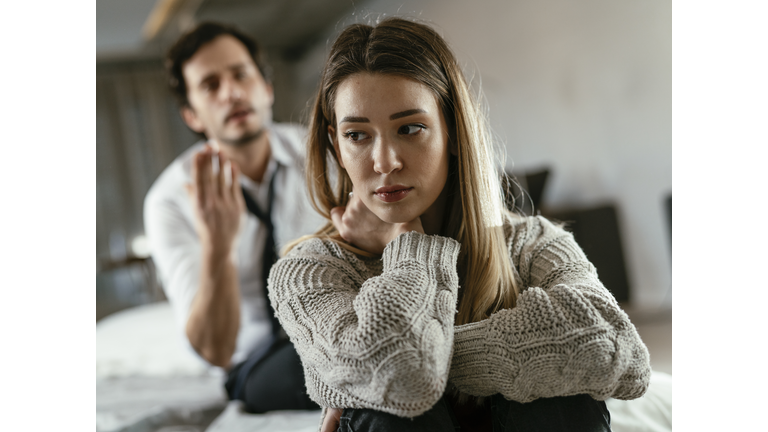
column 176, row 249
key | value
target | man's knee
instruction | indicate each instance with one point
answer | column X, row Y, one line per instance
column 277, row 383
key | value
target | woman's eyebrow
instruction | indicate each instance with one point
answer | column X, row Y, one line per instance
column 395, row 116
column 355, row 120
column 406, row 113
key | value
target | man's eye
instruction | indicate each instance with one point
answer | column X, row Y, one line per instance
column 210, row 86
column 355, row 136
column 410, row 129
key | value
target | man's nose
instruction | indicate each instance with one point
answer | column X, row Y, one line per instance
column 231, row 90
column 386, row 157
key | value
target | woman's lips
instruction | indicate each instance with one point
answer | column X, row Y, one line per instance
column 392, row 194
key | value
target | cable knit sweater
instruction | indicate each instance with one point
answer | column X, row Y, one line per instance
column 379, row 333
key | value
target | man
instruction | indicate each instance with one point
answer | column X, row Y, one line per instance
column 212, row 254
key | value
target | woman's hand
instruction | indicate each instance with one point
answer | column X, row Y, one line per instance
column 361, row 227
column 331, row 420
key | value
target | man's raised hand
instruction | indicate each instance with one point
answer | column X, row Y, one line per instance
column 217, row 201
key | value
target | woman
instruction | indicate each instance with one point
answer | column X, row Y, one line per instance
column 424, row 304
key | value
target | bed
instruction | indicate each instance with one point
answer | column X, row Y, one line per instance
column 147, row 381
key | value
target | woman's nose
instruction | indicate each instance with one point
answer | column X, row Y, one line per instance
column 386, row 158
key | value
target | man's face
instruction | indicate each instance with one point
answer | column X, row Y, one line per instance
column 229, row 99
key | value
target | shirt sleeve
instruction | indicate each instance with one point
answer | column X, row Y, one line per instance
column 175, row 251
column 383, row 342
column 567, row 334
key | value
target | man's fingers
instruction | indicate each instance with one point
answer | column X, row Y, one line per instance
column 219, row 179
column 234, row 188
column 204, row 165
column 197, row 177
column 209, row 177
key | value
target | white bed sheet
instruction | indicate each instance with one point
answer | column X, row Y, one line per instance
column 148, row 381
column 235, row 419
column 148, row 404
column 650, row 413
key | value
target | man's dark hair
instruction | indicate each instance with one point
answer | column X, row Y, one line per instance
column 190, row 43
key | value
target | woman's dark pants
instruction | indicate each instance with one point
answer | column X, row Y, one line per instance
column 578, row 413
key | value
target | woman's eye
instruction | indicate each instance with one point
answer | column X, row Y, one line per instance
column 355, row 136
column 410, row 129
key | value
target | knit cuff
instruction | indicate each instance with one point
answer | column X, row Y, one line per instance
column 470, row 354
column 432, row 249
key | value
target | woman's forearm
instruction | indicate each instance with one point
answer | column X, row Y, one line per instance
column 567, row 335
column 381, row 342
column 565, row 341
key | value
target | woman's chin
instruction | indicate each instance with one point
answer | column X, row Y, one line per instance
column 393, row 220
column 394, row 216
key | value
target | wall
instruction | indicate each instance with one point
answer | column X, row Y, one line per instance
column 138, row 133
column 582, row 87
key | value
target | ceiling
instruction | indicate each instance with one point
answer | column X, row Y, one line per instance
column 288, row 26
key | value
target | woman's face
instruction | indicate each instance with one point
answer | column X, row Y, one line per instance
column 392, row 140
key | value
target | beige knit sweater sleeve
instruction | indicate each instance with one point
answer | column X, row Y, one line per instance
column 383, row 337
column 567, row 335
column 378, row 339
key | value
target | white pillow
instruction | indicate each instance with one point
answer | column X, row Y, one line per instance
column 145, row 341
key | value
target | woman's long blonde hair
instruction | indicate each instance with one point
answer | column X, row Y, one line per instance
column 412, row 50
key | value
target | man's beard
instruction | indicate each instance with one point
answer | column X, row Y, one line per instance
column 245, row 139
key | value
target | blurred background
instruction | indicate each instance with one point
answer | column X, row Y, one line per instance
column 579, row 95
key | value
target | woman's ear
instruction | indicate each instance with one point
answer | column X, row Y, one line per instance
column 335, row 142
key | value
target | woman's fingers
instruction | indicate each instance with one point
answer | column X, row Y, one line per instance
column 359, row 211
column 337, row 214
column 331, row 420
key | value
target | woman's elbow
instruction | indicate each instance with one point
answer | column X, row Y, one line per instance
column 415, row 401
column 636, row 373
column 416, row 391
column 621, row 370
